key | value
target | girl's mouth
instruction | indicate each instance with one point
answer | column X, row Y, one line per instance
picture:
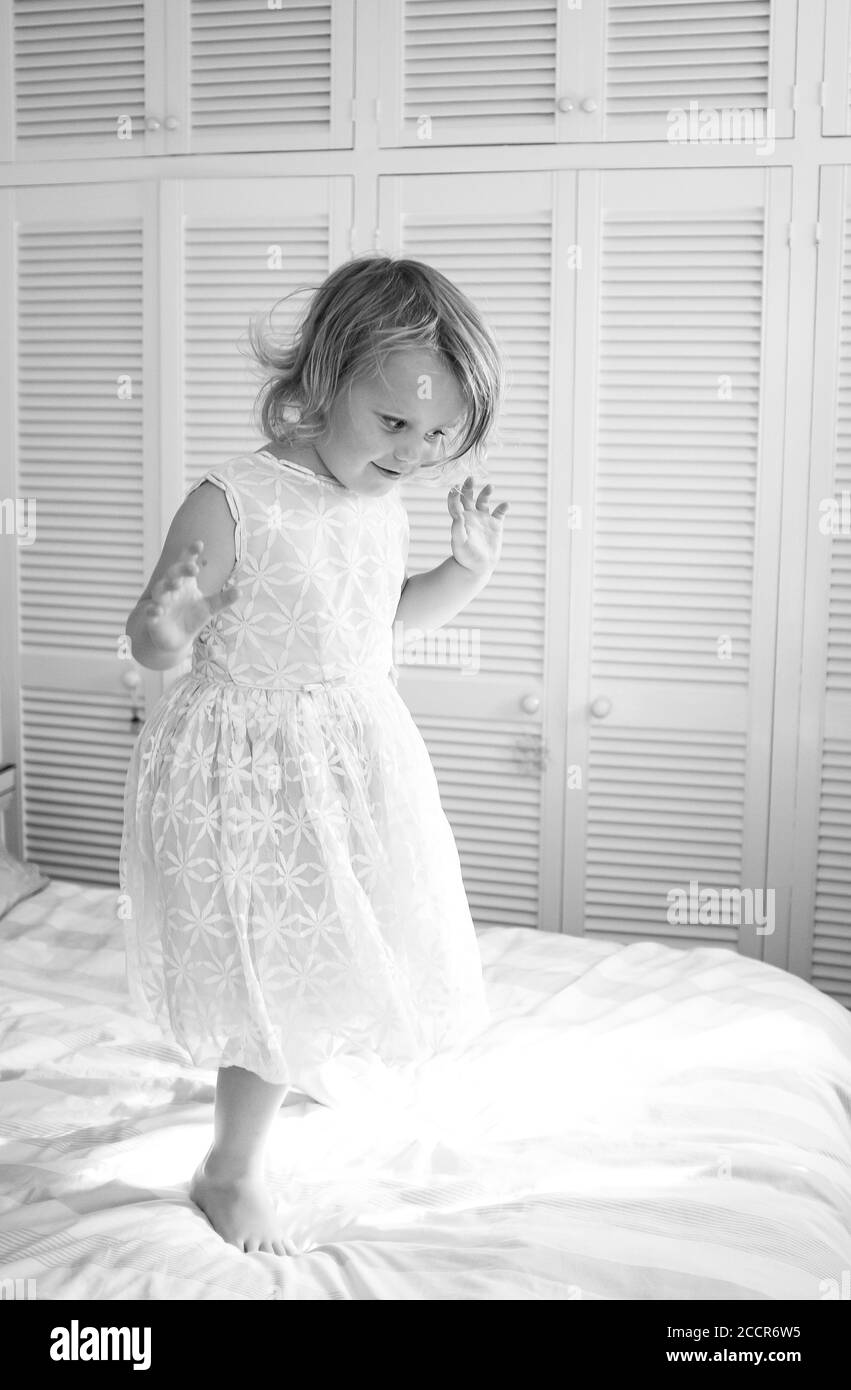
column 386, row 471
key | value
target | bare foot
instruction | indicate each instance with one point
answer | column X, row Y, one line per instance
column 238, row 1206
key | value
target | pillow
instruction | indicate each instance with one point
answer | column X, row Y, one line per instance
column 17, row 880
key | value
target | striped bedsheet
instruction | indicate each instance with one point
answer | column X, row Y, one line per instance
column 638, row 1122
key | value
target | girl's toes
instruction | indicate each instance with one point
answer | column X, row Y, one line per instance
column 279, row 1247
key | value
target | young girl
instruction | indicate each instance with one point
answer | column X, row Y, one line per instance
column 295, row 895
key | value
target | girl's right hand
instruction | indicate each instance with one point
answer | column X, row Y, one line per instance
column 177, row 610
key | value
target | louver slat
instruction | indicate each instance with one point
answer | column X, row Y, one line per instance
column 75, row 752
column 228, row 277
column 662, row 810
column 492, row 236
column 493, row 806
column 506, row 268
column 80, row 442
column 261, row 78
column 836, row 72
column 831, row 943
column 831, row 959
column 676, row 484
column 79, row 68
column 81, row 256
column 481, row 70
column 668, row 54
column 838, row 676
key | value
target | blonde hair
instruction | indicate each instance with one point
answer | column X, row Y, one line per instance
column 365, row 309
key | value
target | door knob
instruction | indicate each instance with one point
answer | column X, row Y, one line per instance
column 171, row 123
column 530, row 704
column 589, row 104
column 601, row 707
column 564, row 104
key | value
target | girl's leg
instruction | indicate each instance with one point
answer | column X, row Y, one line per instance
column 228, row 1185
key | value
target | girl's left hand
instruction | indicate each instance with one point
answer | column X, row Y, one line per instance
column 476, row 530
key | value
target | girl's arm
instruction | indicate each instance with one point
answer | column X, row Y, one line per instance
column 429, row 600
column 185, row 589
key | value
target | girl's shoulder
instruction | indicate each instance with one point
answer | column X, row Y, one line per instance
column 248, row 476
column 246, row 467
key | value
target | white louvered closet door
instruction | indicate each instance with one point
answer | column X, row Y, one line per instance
column 117, row 78
column 707, row 56
column 232, row 248
column 83, row 78
column 248, row 75
column 479, row 696
column 681, row 317
column 496, row 72
column 820, row 939
column 836, row 101
column 85, row 432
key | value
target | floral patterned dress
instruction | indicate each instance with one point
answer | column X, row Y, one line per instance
column 291, row 890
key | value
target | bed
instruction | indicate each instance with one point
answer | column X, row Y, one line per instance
column 638, row 1122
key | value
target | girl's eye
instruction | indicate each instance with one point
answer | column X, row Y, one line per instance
column 392, row 423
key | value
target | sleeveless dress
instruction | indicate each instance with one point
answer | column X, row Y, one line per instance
column 291, row 890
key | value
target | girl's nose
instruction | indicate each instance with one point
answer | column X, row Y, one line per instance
column 414, row 457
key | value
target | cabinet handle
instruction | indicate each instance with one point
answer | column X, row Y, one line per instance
column 589, row 104
column 152, row 123
column 530, row 704
column 564, row 104
column 171, row 123
column 601, row 707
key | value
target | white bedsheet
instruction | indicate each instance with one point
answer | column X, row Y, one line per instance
column 638, row 1122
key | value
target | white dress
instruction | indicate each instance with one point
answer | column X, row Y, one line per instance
column 292, row 892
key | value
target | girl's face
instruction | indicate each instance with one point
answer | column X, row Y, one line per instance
column 382, row 429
